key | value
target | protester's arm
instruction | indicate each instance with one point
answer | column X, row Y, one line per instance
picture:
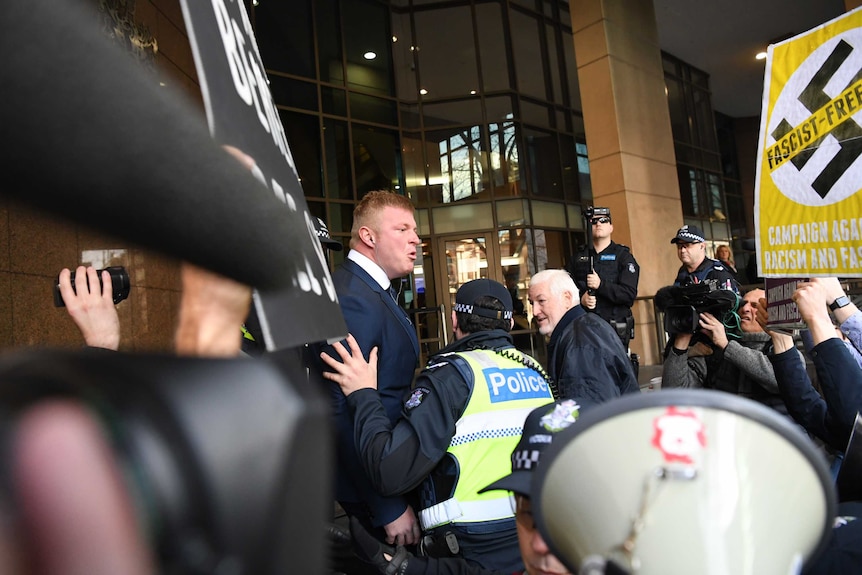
column 753, row 363
column 848, row 317
column 804, row 404
column 212, row 310
column 678, row 370
column 841, row 381
column 810, row 299
column 837, row 372
column 396, row 458
column 92, row 310
column 832, row 290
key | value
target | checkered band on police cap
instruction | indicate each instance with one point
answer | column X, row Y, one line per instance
column 688, row 235
column 540, row 428
column 468, row 293
column 325, row 238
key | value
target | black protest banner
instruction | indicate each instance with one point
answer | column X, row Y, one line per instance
column 241, row 113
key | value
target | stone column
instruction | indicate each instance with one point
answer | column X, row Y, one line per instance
column 629, row 141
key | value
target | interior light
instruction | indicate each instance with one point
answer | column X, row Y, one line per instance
column 394, row 39
column 472, row 92
column 423, row 91
column 760, row 56
column 369, row 55
column 255, row 2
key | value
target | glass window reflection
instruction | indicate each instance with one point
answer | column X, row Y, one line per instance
column 376, row 157
column 368, row 47
column 444, row 42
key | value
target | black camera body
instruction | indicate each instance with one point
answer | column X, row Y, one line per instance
column 682, row 305
column 592, row 212
column 119, row 281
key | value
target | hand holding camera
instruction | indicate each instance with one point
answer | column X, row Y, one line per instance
column 117, row 282
column 92, row 309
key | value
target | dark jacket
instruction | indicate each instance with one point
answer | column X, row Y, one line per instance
column 400, row 457
column 742, row 368
column 709, row 269
column 843, row 551
column 829, row 417
column 619, row 272
column 375, row 320
column 587, row 360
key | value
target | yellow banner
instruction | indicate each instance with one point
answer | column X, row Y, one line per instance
column 808, row 205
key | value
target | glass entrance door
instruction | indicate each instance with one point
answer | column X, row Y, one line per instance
column 468, row 258
column 501, row 256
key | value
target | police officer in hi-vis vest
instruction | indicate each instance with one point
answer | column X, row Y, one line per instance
column 457, row 429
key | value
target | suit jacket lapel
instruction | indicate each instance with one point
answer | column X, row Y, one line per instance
column 384, row 296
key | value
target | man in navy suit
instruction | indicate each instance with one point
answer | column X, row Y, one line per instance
column 383, row 245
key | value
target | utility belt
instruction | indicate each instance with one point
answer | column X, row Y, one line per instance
column 442, row 544
column 625, row 328
column 452, row 511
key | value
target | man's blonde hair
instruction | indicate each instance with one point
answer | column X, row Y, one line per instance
column 367, row 211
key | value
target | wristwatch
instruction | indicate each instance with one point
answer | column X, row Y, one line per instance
column 839, row 302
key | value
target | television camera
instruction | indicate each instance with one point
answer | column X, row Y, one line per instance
column 682, row 305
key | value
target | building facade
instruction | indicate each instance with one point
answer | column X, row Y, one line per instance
column 501, row 120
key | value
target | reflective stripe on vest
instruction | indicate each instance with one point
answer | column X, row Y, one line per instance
column 503, row 394
column 452, row 510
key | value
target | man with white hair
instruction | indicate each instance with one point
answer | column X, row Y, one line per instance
column 586, row 359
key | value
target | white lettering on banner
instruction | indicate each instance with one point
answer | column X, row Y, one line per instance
column 782, row 312
column 781, row 292
column 851, row 257
column 246, row 70
column 846, row 230
column 784, row 259
column 252, row 88
column 809, row 232
column 824, row 258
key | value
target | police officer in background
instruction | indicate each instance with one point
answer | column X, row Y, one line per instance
column 606, row 274
column 696, row 267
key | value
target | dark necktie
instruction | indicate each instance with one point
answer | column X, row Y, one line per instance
column 393, row 293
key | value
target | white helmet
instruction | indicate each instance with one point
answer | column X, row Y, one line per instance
column 681, row 482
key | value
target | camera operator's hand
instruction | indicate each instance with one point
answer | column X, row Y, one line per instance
column 810, row 299
column 682, row 341
column 93, row 311
column 712, row 327
column 593, row 280
column 588, row 301
column 352, row 372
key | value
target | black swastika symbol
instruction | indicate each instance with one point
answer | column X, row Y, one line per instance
column 848, row 134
